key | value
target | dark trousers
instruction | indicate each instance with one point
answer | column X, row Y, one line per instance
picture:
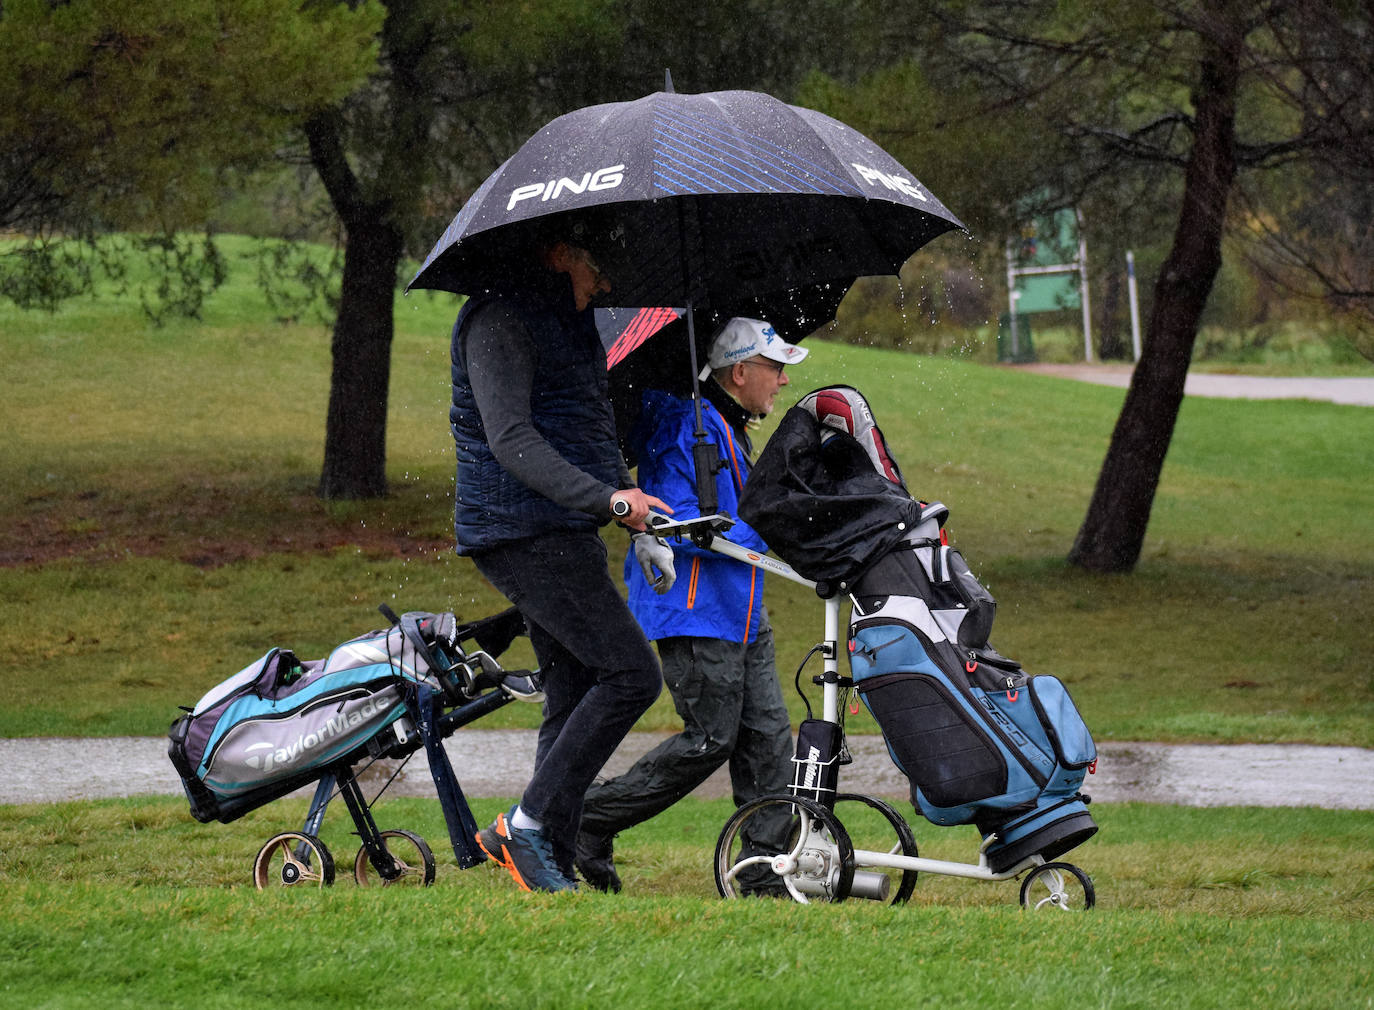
column 728, row 696
column 599, row 672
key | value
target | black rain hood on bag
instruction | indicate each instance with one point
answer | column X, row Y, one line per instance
column 826, row 494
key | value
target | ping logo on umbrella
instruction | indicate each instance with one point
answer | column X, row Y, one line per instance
column 894, row 182
column 603, row 178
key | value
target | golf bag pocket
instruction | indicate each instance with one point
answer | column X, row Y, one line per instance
column 1059, row 716
column 950, row 759
column 1042, row 721
column 962, row 603
column 937, row 732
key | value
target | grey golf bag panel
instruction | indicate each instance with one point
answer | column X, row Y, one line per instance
column 981, row 741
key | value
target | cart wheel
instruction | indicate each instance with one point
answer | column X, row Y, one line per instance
column 1057, row 885
column 867, row 830
column 293, row 858
column 410, row 856
column 817, row 861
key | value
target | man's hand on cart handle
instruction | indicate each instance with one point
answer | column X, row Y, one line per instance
column 631, row 507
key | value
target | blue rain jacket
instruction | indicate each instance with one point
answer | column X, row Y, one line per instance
column 714, row 596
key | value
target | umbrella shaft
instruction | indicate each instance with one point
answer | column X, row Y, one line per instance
column 704, row 454
column 700, row 432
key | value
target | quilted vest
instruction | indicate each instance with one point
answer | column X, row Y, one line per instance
column 568, row 406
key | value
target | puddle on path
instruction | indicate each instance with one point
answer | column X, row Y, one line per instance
column 498, row 762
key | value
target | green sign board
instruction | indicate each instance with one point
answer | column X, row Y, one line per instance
column 1051, row 241
column 1047, row 293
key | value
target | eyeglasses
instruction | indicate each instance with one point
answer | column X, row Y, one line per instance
column 776, row 366
column 599, row 275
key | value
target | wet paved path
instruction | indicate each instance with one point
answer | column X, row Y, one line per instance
column 497, row 763
column 1352, row 390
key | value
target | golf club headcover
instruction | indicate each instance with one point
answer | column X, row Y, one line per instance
column 844, row 409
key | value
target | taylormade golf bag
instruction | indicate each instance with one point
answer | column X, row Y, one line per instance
column 982, row 741
column 272, row 726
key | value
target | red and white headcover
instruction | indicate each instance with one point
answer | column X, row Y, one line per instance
column 844, row 409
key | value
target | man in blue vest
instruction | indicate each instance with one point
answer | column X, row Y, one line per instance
column 711, row 627
column 538, row 471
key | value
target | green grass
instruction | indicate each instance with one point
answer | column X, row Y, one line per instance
column 1276, row 348
column 161, row 532
column 142, row 907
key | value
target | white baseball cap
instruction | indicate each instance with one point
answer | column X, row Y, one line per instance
column 741, row 339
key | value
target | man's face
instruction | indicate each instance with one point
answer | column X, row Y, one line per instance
column 587, row 279
column 757, row 381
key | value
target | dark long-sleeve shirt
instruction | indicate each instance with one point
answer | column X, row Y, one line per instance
column 500, row 359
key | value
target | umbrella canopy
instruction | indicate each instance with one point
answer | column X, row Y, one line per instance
column 698, row 200
column 624, row 330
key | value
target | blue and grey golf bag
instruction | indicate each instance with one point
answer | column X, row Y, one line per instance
column 279, row 723
column 981, row 741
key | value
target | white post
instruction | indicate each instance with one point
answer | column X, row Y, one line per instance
column 1083, row 288
column 1011, row 305
column 1135, row 304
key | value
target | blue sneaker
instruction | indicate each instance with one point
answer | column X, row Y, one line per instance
column 525, row 853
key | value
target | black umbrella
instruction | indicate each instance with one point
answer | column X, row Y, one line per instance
column 716, row 198
column 709, row 201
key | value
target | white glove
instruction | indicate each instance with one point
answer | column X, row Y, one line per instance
column 651, row 553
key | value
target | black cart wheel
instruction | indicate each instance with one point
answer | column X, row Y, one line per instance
column 411, row 861
column 1057, row 885
column 293, row 859
column 875, row 826
column 813, row 860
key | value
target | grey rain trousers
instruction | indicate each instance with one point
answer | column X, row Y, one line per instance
column 731, row 705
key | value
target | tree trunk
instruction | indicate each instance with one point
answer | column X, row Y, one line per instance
column 355, row 427
column 1110, row 345
column 372, row 208
column 1113, row 532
